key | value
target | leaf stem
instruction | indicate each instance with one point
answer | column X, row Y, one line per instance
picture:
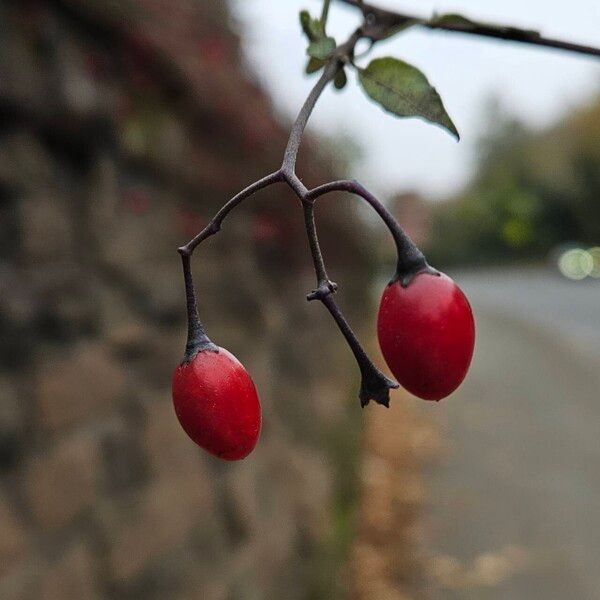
column 197, row 339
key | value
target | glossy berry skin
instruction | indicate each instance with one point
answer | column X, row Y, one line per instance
column 427, row 334
column 217, row 405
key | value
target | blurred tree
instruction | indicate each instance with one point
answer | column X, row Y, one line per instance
column 532, row 191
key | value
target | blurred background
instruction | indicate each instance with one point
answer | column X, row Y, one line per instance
column 124, row 126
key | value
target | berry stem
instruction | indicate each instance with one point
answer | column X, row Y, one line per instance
column 215, row 223
column 411, row 261
column 197, row 340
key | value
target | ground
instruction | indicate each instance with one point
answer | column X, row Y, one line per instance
column 513, row 509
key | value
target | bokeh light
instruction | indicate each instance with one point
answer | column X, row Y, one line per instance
column 576, row 264
column 595, row 254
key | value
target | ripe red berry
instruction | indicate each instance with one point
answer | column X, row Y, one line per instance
column 217, row 404
column 427, row 334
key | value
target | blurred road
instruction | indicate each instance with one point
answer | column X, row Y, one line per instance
column 515, row 501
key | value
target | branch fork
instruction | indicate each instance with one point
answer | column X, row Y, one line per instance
column 324, row 289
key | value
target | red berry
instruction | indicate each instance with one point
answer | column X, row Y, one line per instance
column 427, row 334
column 217, row 404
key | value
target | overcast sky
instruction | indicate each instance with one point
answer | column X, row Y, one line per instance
column 538, row 85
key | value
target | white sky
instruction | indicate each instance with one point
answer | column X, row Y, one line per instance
column 536, row 84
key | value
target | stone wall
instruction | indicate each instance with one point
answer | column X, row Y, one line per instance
column 123, row 126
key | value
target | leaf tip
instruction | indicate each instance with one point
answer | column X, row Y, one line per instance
column 454, row 132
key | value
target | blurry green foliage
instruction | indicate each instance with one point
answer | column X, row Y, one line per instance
column 532, row 191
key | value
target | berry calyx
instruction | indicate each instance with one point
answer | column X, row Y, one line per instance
column 216, row 403
column 426, row 333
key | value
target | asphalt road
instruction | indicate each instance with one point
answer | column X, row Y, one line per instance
column 514, row 510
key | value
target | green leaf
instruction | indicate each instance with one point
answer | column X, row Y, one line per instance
column 340, row 80
column 313, row 28
column 313, row 65
column 321, row 49
column 320, row 46
column 404, row 91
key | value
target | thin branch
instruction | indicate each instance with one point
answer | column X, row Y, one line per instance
column 392, row 19
column 325, row 12
column 197, row 339
column 315, row 249
column 401, row 240
column 215, row 224
column 374, row 384
column 411, row 260
column 342, row 54
column 291, row 151
column 518, row 35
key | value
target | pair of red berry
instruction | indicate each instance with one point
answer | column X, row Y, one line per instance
column 426, row 332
